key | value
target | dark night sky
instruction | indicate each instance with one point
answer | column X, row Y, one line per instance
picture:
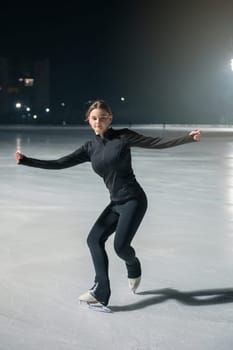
column 169, row 59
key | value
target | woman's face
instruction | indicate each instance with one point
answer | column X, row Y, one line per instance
column 99, row 120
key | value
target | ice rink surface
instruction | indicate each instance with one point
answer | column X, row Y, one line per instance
column 185, row 244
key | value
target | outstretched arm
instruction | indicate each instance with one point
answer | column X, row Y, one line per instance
column 138, row 140
column 77, row 157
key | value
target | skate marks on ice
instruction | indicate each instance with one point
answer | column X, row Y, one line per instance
column 193, row 298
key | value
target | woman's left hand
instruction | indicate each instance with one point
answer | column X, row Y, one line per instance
column 196, row 134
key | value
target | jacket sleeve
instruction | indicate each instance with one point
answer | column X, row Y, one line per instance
column 138, row 140
column 77, row 157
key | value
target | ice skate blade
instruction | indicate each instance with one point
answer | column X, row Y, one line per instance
column 83, row 302
column 95, row 306
column 99, row 308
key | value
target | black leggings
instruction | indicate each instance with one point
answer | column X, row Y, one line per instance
column 124, row 219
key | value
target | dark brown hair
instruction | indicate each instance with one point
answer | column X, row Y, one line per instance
column 98, row 104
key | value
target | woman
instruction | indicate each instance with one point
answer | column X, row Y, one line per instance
column 110, row 156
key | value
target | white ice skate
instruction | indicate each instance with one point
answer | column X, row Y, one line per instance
column 134, row 283
column 92, row 303
column 87, row 298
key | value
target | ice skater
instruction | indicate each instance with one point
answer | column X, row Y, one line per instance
column 110, row 155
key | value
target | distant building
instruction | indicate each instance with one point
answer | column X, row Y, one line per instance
column 24, row 90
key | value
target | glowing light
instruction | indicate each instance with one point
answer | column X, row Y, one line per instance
column 28, row 109
column 35, row 116
column 47, row 110
column 63, row 104
column 122, row 99
column 18, row 144
column 28, row 82
column 232, row 64
column 18, row 105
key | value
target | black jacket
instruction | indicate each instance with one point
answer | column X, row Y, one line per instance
column 110, row 157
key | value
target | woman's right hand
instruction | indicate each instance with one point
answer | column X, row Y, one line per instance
column 18, row 156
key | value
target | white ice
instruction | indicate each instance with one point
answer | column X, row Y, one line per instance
column 185, row 244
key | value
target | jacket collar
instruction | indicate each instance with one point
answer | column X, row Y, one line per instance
column 107, row 136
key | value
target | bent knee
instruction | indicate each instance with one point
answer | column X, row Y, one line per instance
column 120, row 249
column 94, row 239
column 91, row 240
